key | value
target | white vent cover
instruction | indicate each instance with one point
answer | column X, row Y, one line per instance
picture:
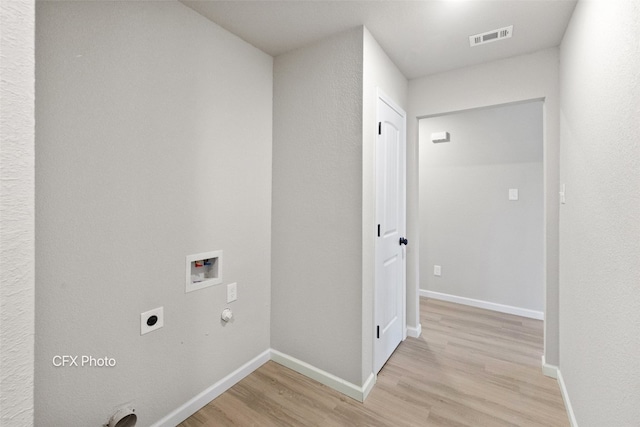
column 491, row 36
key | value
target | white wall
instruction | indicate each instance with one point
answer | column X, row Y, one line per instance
column 323, row 201
column 599, row 224
column 526, row 77
column 153, row 142
column 378, row 73
column 316, row 281
column 17, row 271
column 490, row 249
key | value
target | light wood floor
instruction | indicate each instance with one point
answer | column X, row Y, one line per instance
column 470, row 367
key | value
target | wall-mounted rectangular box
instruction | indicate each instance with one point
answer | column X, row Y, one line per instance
column 203, row 270
column 437, row 137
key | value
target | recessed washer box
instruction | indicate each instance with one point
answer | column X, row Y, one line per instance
column 203, row 270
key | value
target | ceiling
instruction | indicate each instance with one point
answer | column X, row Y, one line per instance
column 420, row 37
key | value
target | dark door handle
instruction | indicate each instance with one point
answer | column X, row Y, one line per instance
column 403, row 241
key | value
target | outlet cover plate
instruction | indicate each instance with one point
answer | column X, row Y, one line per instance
column 437, row 270
column 145, row 328
column 232, row 292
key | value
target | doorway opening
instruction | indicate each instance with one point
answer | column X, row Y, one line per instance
column 481, row 209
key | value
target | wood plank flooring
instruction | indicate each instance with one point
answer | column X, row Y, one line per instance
column 470, row 368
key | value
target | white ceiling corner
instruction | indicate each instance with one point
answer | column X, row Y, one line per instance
column 421, row 37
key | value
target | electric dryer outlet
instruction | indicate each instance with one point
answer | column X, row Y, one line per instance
column 151, row 320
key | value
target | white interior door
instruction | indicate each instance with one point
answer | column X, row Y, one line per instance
column 390, row 293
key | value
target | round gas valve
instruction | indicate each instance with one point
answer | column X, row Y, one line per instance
column 227, row 315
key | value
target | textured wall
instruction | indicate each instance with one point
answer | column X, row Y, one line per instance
column 600, row 222
column 378, row 73
column 153, row 142
column 17, row 271
column 489, row 248
column 526, row 77
column 316, row 292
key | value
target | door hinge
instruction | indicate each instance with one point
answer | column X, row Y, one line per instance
column 378, row 331
column 378, row 230
column 379, row 128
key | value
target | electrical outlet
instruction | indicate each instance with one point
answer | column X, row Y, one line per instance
column 151, row 320
column 232, row 292
column 437, row 270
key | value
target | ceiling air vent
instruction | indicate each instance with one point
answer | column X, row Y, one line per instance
column 491, row 36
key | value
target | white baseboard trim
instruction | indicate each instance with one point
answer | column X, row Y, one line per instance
column 567, row 401
column 524, row 312
column 196, row 403
column 323, row 377
column 414, row 332
column 368, row 385
column 549, row 370
column 193, row 405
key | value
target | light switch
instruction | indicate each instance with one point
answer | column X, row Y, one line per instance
column 232, row 292
column 513, row 194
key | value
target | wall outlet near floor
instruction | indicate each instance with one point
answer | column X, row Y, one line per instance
column 437, row 270
column 232, row 292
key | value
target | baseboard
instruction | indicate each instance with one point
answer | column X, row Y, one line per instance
column 524, row 312
column 549, row 370
column 567, row 401
column 323, row 377
column 193, row 405
column 368, row 385
column 414, row 332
